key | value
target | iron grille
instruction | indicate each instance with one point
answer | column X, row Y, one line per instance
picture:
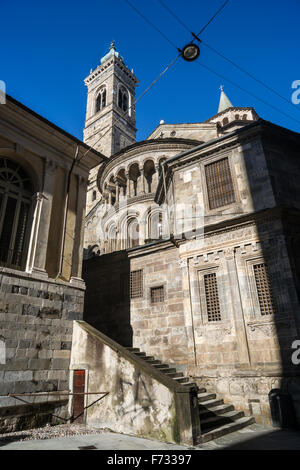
column 136, row 284
column 263, row 287
column 157, row 294
column 219, row 184
column 212, row 297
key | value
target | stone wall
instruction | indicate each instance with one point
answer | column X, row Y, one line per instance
column 36, row 321
column 160, row 328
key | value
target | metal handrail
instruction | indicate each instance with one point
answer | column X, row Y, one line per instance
column 71, row 418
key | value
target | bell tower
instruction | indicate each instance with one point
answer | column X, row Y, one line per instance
column 110, row 113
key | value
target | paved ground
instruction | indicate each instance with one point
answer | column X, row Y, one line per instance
column 103, row 441
column 255, row 437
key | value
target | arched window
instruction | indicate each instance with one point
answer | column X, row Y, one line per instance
column 237, row 117
column 245, row 117
column 155, row 225
column 149, row 171
column 225, row 121
column 133, row 237
column 15, row 199
column 112, row 238
column 94, row 195
column 123, row 99
column 101, row 100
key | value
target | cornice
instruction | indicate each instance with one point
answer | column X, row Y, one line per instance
column 102, row 67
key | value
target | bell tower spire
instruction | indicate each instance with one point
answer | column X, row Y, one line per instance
column 224, row 101
column 110, row 112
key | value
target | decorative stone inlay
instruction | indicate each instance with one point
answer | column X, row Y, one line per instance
column 183, row 263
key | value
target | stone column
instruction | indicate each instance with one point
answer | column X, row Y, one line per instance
column 38, row 244
column 79, row 232
column 155, row 178
column 142, row 171
column 117, row 192
column 127, row 185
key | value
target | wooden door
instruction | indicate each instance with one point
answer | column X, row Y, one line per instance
column 78, row 400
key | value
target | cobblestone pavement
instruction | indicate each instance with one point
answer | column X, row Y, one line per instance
column 72, row 437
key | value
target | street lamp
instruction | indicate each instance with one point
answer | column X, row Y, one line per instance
column 190, row 52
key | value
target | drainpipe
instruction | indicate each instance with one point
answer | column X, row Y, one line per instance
column 62, row 249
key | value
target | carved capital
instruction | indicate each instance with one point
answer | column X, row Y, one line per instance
column 229, row 253
column 38, row 197
column 50, row 165
column 82, row 181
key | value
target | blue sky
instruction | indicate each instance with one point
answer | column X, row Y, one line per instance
column 48, row 48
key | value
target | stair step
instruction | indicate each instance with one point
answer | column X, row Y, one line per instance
column 167, row 370
column 153, row 361
column 173, row 375
column 210, row 403
column 140, row 353
column 214, row 422
column 227, row 429
column 161, row 366
column 181, row 379
column 202, row 397
column 132, row 349
column 215, row 410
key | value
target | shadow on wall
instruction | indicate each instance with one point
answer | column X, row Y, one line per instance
column 278, row 228
column 107, row 302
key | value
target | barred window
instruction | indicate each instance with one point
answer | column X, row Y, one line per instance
column 219, row 184
column 157, row 294
column 136, row 284
column 15, row 200
column 212, row 297
column 263, row 287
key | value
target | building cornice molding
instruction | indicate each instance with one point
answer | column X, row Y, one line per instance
column 18, row 120
column 103, row 67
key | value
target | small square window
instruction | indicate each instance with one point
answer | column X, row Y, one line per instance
column 157, row 294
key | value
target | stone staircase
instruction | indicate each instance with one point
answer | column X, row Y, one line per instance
column 216, row 417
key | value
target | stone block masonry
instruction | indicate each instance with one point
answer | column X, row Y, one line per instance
column 36, row 324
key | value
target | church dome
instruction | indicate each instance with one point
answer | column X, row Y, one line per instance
column 112, row 52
